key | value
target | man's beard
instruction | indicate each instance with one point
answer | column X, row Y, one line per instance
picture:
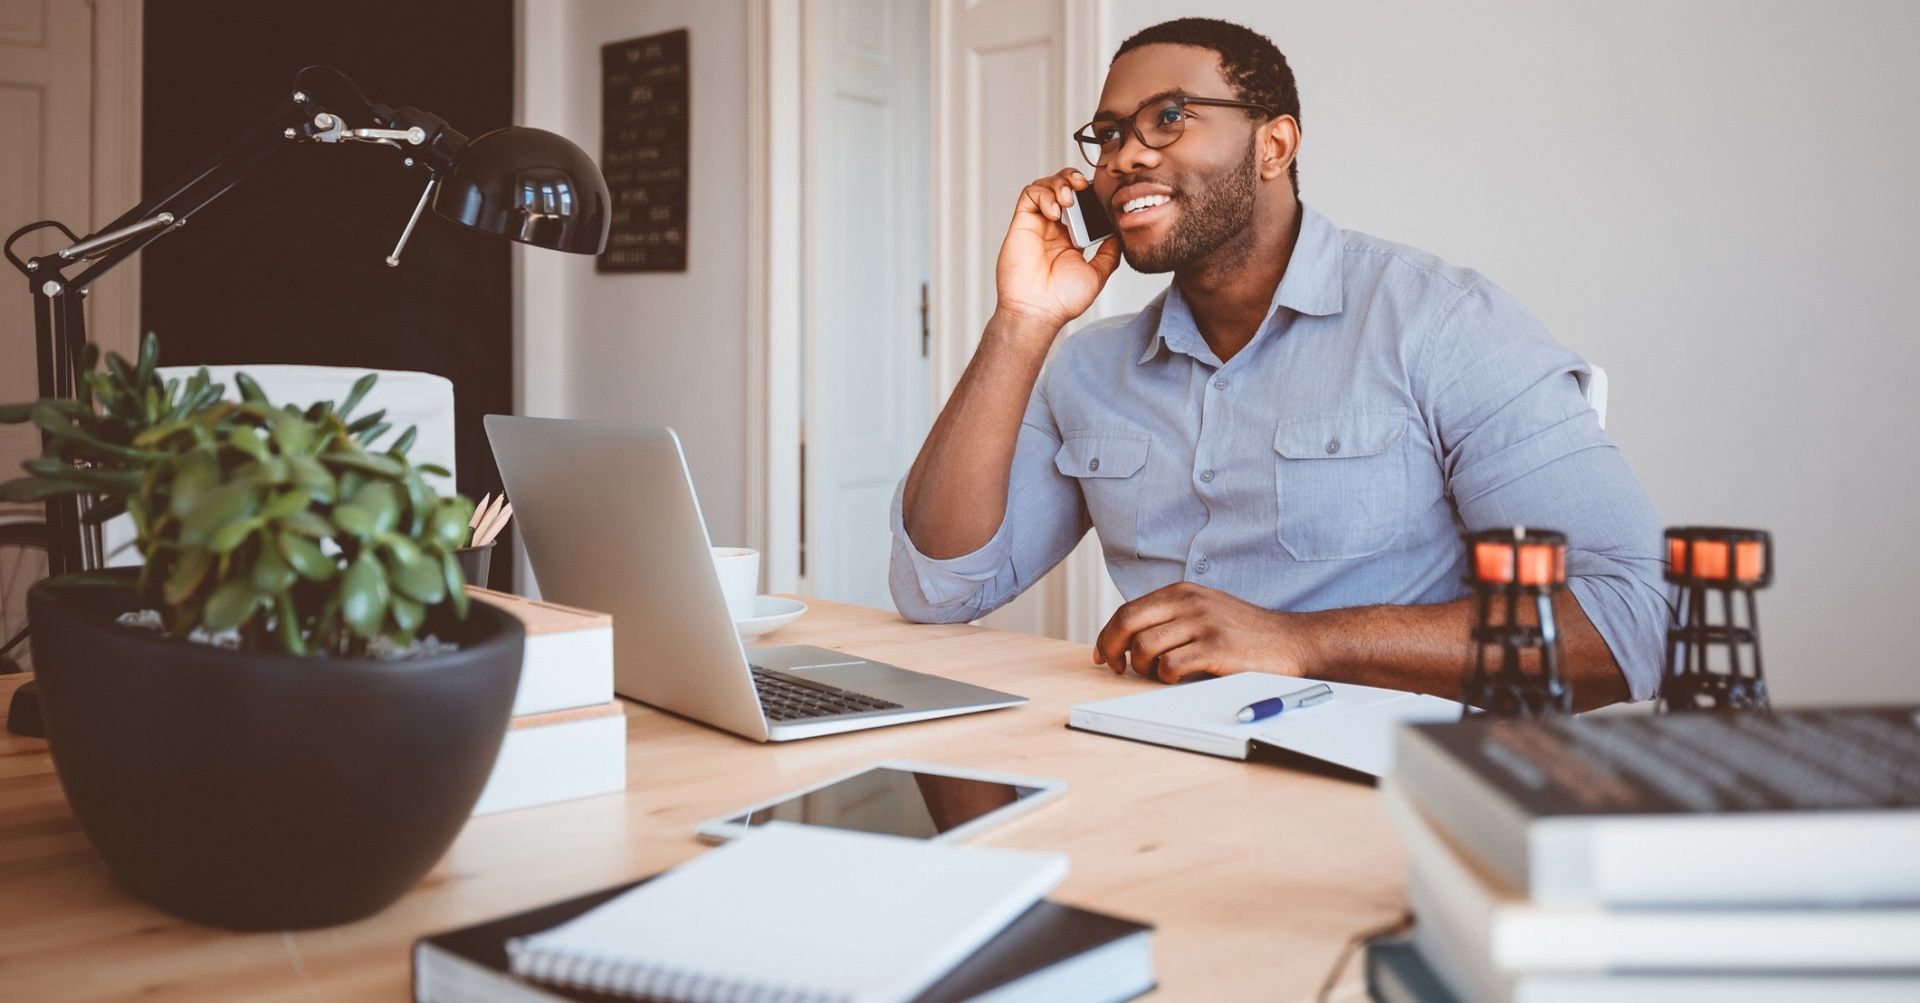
column 1209, row 218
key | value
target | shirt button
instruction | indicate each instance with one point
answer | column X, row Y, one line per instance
column 1206, row 475
column 1333, row 446
column 1094, row 464
column 1200, row 566
column 1219, row 384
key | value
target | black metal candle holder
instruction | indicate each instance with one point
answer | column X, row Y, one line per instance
column 1715, row 664
column 1520, row 569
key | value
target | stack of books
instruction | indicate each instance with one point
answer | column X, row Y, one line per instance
column 1683, row 857
column 568, row 738
column 804, row 914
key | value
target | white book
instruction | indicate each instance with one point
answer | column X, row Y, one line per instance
column 569, row 654
column 1472, row 978
column 1354, row 730
column 794, row 912
column 558, row 756
column 1816, row 807
column 1492, row 920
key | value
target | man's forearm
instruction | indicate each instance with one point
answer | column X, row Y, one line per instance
column 1426, row 648
column 956, row 491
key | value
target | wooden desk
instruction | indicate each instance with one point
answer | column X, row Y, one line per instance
column 1254, row 874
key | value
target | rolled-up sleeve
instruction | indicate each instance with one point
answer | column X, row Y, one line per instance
column 1521, row 447
column 1045, row 517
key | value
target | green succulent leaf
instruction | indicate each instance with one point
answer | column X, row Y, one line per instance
column 365, row 596
column 195, row 474
column 247, row 440
column 373, row 510
column 249, row 390
column 306, row 558
column 405, row 442
column 368, row 463
column 312, row 476
column 408, row 615
column 188, row 572
column 360, row 388
column 14, row 414
column 307, row 523
column 449, row 528
column 232, row 535
column 149, row 357
column 290, row 432
column 272, row 575
column 231, row 502
column 456, row 583
column 230, row 605
column 288, row 626
column 416, row 574
column 286, row 503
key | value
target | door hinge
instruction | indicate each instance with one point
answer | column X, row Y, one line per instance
column 926, row 327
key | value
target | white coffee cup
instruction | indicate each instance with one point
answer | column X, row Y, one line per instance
column 739, row 570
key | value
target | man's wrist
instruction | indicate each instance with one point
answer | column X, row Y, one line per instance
column 1308, row 642
column 1022, row 329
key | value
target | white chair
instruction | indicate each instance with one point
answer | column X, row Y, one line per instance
column 420, row 400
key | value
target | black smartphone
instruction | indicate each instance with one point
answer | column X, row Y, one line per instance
column 1087, row 220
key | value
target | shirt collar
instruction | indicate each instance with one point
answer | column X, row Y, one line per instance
column 1312, row 285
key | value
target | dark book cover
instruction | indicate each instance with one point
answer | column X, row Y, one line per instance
column 1045, row 935
column 1396, row 973
column 1862, row 759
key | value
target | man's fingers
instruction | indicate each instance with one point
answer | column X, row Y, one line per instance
column 1149, row 644
column 1129, row 619
column 1176, row 665
column 1106, row 257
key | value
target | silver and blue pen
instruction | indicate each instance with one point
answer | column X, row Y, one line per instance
column 1260, row 710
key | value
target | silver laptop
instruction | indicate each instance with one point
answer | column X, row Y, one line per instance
column 611, row 523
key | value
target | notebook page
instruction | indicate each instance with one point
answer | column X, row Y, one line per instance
column 796, row 912
column 1354, row 729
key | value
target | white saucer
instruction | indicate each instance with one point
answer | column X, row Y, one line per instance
column 770, row 613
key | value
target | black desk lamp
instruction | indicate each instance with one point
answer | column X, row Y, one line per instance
column 525, row 184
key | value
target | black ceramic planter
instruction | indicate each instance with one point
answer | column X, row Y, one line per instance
column 266, row 791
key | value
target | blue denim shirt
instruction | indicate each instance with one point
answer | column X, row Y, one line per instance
column 1389, row 401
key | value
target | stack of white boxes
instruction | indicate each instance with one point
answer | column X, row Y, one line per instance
column 568, row 738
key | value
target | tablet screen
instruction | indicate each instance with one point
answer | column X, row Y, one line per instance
column 895, row 802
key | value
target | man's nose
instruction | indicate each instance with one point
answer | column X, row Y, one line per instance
column 1133, row 156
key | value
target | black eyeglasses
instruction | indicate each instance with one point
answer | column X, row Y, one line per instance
column 1165, row 121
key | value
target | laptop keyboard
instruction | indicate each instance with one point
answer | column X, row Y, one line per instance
column 787, row 697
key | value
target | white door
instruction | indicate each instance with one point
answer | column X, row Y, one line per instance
column 866, row 193
column 1011, row 79
column 69, row 151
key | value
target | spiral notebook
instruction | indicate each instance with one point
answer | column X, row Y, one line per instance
column 794, row 912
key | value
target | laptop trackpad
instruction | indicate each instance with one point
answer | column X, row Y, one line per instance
column 860, row 677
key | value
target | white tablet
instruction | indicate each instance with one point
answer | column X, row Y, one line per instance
column 895, row 797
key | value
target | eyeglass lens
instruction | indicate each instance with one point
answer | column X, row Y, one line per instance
column 1158, row 124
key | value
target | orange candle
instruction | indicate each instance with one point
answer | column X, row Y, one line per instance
column 1493, row 562
column 1541, row 564
column 1710, row 559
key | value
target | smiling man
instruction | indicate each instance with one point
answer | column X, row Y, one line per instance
column 1280, row 452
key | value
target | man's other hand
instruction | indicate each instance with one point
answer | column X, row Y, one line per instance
column 1183, row 629
column 1040, row 276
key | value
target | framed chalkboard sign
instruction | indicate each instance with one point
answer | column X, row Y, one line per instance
column 643, row 152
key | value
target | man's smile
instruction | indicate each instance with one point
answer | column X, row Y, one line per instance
column 1137, row 206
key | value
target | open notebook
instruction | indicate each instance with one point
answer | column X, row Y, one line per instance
column 1354, row 730
column 795, row 913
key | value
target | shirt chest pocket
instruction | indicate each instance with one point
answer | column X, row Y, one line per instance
column 1342, row 483
column 1107, row 465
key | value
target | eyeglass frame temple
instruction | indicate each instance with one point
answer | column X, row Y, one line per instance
column 1133, row 120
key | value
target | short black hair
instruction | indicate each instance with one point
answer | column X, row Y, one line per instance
column 1251, row 62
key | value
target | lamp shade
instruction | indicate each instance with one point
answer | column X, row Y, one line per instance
column 531, row 186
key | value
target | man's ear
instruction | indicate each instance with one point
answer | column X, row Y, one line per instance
column 1279, row 144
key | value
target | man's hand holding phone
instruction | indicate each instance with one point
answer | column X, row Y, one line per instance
column 1044, row 281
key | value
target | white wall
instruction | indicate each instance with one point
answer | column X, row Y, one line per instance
column 1715, row 200
column 654, row 347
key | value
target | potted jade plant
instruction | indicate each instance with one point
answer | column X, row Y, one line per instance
column 283, row 717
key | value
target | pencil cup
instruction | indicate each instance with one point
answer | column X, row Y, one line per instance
column 475, row 563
